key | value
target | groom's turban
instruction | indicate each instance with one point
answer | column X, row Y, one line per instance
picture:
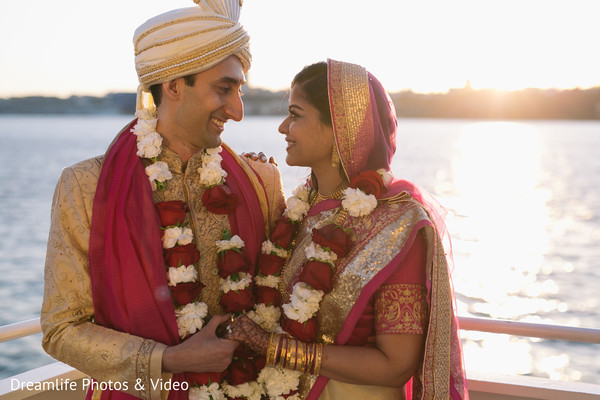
column 189, row 40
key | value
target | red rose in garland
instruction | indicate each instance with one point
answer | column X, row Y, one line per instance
column 171, row 212
column 219, row 200
column 284, row 233
column 259, row 362
column 241, row 371
column 237, row 300
column 369, row 182
column 305, row 332
column 318, row 275
column 270, row 264
column 243, row 351
column 188, row 292
column 268, row 296
column 204, row 378
column 182, row 255
column 231, row 262
column 334, row 237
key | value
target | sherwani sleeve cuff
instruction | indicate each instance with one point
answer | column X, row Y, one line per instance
column 157, row 377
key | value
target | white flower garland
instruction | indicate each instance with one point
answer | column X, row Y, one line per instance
column 317, row 253
column 206, row 392
column 304, row 303
column 268, row 247
column 271, row 281
column 149, row 144
column 245, row 279
column 177, row 235
column 266, row 316
column 182, row 274
column 190, row 318
column 248, row 390
column 211, row 173
column 235, row 242
column 278, row 382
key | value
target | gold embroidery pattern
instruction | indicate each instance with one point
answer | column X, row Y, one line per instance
column 401, row 309
column 143, row 367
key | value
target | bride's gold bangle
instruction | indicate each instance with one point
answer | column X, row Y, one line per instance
column 301, row 364
column 307, row 361
column 283, row 351
column 271, row 351
column 318, row 358
column 291, row 356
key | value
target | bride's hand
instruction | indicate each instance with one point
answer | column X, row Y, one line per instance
column 246, row 331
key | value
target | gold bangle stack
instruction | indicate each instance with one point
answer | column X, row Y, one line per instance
column 295, row 355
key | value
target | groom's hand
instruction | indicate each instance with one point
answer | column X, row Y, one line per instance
column 201, row 352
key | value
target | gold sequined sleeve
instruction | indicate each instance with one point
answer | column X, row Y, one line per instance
column 69, row 333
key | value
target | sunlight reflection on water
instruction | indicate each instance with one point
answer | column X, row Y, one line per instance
column 501, row 222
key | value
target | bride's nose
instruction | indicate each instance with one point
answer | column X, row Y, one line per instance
column 283, row 127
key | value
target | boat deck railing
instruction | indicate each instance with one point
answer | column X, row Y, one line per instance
column 482, row 386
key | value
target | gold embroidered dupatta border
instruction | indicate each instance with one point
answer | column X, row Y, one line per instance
column 351, row 114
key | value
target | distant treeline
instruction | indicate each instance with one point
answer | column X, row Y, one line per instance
column 494, row 104
column 456, row 103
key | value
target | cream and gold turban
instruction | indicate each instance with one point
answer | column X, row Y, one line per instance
column 189, row 40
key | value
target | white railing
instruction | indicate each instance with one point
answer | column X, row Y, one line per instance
column 543, row 331
column 20, row 329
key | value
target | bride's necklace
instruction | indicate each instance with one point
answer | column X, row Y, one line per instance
column 337, row 195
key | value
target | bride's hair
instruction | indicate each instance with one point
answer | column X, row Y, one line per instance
column 312, row 80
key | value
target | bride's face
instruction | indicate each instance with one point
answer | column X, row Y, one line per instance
column 309, row 140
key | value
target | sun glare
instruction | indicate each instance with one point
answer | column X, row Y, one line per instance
column 501, row 238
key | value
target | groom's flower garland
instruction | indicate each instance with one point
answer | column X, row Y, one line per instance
column 329, row 243
column 181, row 257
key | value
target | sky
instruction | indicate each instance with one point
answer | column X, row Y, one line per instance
column 81, row 47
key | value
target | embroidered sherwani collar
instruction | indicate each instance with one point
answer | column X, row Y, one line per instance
column 176, row 164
